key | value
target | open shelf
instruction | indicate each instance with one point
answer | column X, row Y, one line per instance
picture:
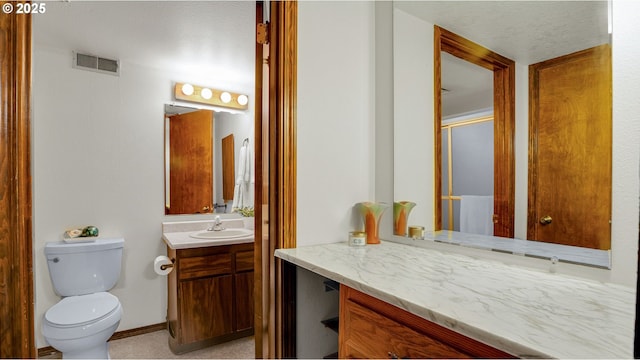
column 332, row 323
column 330, row 285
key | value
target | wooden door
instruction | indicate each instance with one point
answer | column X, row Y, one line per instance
column 190, row 163
column 228, row 168
column 570, row 149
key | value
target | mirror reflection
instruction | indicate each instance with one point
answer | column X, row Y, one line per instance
column 208, row 160
column 542, row 38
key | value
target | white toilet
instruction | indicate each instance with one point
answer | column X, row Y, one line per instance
column 80, row 324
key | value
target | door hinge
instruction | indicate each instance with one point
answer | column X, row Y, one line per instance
column 495, row 218
column 262, row 33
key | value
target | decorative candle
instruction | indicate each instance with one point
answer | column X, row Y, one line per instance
column 357, row 238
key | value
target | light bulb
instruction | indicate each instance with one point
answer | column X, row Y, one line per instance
column 206, row 93
column 225, row 97
column 187, row 89
column 243, row 99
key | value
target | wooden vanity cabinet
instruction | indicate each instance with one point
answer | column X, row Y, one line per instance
column 373, row 329
column 210, row 296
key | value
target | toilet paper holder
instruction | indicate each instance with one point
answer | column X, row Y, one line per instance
column 167, row 266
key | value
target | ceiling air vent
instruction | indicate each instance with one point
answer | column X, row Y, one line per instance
column 96, row 63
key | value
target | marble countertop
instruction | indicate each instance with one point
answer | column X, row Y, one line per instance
column 527, row 313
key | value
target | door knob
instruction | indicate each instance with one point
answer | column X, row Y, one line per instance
column 545, row 220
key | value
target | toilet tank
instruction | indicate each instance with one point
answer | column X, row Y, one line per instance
column 85, row 267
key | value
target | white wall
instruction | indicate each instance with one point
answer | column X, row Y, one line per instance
column 625, row 137
column 335, row 117
column 521, row 147
column 413, row 114
column 383, row 158
column 98, row 145
column 626, row 140
column 335, row 132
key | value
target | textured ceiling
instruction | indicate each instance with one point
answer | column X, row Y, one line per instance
column 470, row 87
column 524, row 31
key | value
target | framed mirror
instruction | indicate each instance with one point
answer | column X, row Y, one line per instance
column 203, row 148
column 526, row 32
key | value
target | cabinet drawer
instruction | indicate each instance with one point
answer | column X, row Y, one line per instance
column 375, row 336
column 372, row 328
column 244, row 260
column 201, row 266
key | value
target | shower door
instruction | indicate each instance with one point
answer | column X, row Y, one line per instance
column 467, row 165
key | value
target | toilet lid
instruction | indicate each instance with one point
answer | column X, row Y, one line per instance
column 76, row 310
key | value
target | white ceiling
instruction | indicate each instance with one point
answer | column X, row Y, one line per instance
column 525, row 31
column 470, row 87
column 216, row 38
column 212, row 38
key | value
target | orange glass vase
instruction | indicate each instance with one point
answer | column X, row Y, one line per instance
column 401, row 211
column 371, row 214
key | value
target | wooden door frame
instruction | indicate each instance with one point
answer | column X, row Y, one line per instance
column 17, row 338
column 504, row 79
column 276, row 136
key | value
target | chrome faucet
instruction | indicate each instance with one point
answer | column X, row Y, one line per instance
column 217, row 225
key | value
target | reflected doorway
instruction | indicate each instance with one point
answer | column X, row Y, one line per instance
column 467, row 146
column 503, row 70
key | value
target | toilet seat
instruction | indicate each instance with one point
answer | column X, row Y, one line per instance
column 80, row 316
column 82, row 309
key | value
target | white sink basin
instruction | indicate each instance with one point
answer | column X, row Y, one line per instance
column 233, row 233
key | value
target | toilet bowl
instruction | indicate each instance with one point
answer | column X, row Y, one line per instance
column 79, row 326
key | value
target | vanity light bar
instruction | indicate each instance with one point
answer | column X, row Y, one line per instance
column 209, row 96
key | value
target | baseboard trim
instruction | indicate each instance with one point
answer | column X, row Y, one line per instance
column 138, row 331
column 49, row 351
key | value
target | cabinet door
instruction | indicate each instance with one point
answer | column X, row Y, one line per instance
column 206, row 308
column 244, row 301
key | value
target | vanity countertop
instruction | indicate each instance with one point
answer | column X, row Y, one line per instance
column 183, row 240
column 527, row 313
column 177, row 235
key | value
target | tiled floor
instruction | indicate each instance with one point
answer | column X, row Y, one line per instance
column 155, row 346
